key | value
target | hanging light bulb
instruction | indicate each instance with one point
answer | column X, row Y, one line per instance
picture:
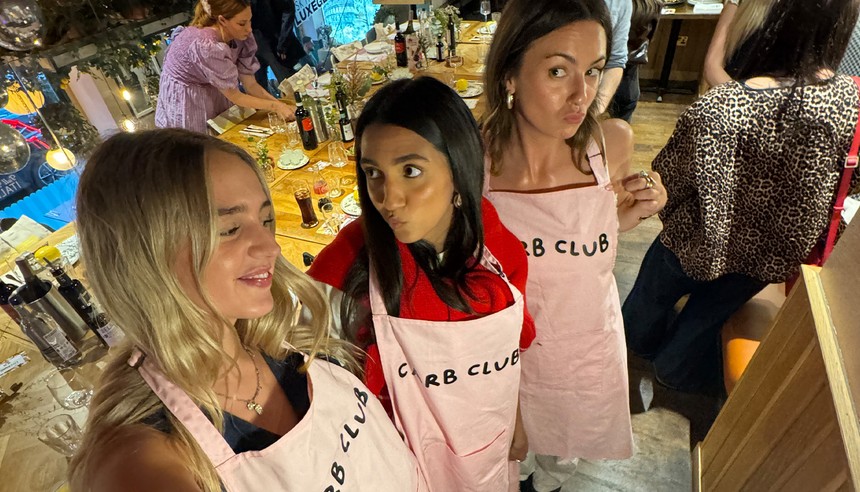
column 126, row 95
column 61, row 159
column 128, row 125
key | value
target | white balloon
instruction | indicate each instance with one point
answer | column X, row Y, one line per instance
column 21, row 25
column 14, row 150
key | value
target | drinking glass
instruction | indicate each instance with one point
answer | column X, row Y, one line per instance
column 320, row 184
column 69, row 388
column 277, row 123
column 293, row 140
column 316, row 81
column 485, row 9
column 302, row 194
column 61, row 434
column 337, row 154
column 334, row 190
column 331, row 220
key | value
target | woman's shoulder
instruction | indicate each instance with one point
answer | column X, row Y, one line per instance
column 139, row 458
column 335, row 260
column 617, row 135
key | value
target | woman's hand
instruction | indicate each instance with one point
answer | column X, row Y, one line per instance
column 645, row 196
column 285, row 110
column 520, row 441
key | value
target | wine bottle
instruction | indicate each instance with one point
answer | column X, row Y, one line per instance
column 409, row 27
column 77, row 296
column 400, row 49
column 452, row 36
column 345, row 126
column 440, row 49
column 56, row 347
column 6, row 291
column 40, row 296
column 305, row 124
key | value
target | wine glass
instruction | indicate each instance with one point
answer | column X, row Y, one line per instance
column 336, row 154
column 277, row 123
column 485, row 9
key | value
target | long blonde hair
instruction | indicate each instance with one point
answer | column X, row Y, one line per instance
column 206, row 12
column 749, row 18
column 141, row 198
column 523, row 22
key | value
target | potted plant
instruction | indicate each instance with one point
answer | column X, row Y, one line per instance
column 266, row 163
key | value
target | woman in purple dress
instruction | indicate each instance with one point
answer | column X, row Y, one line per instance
column 205, row 64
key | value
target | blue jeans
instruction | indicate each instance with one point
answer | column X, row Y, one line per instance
column 686, row 352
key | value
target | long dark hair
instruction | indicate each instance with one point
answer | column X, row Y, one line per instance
column 524, row 22
column 796, row 40
column 436, row 113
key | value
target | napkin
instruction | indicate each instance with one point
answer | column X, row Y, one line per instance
column 230, row 118
column 344, row 51
column 471, row 103
column 23, row 236
column 382, row 31
column 297, row 81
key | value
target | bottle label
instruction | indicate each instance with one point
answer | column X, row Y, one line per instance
column 400, row 47
column 64, row 348
column 112, row 334
column 347, row 132
column 307, row 125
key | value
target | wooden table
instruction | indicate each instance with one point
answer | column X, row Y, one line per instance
column 678, row 14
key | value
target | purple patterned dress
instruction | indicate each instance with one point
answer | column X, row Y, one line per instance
column 197, row 66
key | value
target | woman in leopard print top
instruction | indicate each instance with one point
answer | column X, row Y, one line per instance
column 751, row 171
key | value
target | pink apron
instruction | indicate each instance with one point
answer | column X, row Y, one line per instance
column 453, row 387
column 345, row 442
column 573, row 394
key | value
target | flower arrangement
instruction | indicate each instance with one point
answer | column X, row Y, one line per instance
column 266, row 163
column 355, row 82
column 441, row 16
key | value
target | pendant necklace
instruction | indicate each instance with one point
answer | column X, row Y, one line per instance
column 251, row 403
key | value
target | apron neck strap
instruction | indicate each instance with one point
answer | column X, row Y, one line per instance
column 184, row 409
column 488, row 261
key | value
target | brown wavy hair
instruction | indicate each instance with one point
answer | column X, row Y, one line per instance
column 524, row 22
column 226, row 8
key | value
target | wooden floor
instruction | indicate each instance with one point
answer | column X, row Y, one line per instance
column 653, row 124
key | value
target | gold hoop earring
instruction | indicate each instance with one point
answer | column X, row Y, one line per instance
column 458, row 200
column 509, row 101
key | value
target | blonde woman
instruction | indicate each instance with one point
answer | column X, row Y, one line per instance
column 205, row 64
column 212, row 391
column 737, row 21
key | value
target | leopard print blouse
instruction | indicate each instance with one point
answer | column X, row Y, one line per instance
column 751, row 175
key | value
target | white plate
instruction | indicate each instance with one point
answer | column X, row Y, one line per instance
column 400, row 73
column 377, row 82
column 475, row 89
column 288, row 166
column 376, row 47
column 350, row 206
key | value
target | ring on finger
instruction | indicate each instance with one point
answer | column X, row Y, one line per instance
column 649, row 182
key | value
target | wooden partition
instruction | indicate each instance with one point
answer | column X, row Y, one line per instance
column 791, row 424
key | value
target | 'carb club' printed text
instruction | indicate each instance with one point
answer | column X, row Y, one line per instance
column 538, row 247
column 451, row 376
column 349, row 435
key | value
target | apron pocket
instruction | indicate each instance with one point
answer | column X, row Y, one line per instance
column 481, row 470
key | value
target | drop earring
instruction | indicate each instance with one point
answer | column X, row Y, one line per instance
column 509, row 101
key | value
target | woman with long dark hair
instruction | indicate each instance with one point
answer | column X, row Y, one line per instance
column 751, row 170
column 430, row 283
column 559, row 179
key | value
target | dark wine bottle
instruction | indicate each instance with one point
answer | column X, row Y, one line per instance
column 440, row 49
column 452, row 36
column 345, row 126
column 305, row 124
column 6, row 291
column 400, row 49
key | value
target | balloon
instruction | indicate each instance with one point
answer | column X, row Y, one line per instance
column 14, row 150
column 21, row 25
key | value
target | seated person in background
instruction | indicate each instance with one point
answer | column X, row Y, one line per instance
column 751, row 171
column 311, row 58
column 211, row 390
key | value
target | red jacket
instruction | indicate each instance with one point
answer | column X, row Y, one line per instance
column 419, row 300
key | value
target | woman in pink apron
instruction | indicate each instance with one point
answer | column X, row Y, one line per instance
column 219, row 387
column 559, row 181
column 430, row 283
